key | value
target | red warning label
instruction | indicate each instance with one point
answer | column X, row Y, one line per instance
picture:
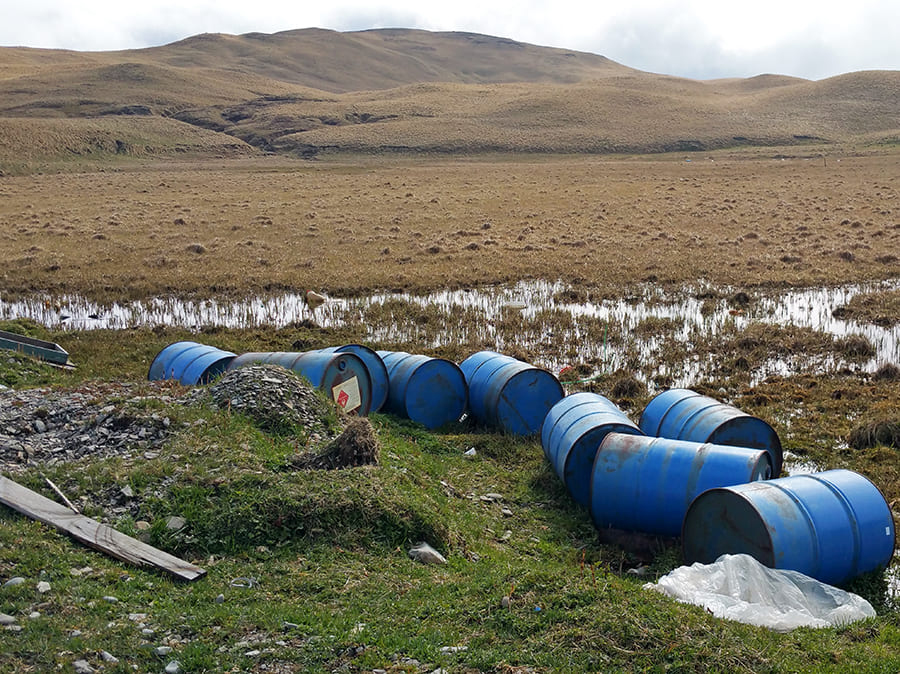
column 343, row 398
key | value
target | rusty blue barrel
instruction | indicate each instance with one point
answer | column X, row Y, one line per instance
column 571, row 434
column 509, row 394
column 343, row 377
column 645, row 484
column 833, row 526
column 429, row 391
column 190, row 363
column 376, row 367
column 682, row 414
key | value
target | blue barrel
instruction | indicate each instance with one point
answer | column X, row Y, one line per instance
column 681, row 414
column 639, row 483
column 832, row 526
column 343, row 377
column 571, row 434
column 430, row 391
column 377, row 371
column 189, row 362
column 508, row 394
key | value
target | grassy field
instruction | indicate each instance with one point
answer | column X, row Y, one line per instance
column 250, row 166
column 140, row 229
column 532, row 589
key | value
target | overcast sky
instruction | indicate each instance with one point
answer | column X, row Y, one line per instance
column 692, row 38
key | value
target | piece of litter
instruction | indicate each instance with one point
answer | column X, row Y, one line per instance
column 738, row 587
column 422, row 552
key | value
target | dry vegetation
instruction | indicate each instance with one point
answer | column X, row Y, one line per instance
column 349, row 227
column 314, row 92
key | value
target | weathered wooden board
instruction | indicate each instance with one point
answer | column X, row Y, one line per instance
column 93, row 533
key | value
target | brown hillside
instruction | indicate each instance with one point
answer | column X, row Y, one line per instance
column 382, row 59
column 311, row 91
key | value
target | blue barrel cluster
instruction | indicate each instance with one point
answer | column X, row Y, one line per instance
column 706, row 471
column 693, row 466
column 343, row 377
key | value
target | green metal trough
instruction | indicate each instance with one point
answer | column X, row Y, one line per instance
column 48, row 351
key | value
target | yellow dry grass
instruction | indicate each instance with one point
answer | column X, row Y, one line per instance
column 314, row 92
column 245, row 226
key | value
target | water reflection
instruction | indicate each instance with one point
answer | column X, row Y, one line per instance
column 540, row 316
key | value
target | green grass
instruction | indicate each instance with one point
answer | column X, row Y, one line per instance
column 334, row 588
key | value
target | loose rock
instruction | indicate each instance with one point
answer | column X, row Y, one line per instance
column 82, row 667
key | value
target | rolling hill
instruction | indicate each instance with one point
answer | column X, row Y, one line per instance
column 311, row 91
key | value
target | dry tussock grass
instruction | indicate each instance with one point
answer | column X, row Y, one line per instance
column 24, row 141
column 310, row 92
column 349, row 227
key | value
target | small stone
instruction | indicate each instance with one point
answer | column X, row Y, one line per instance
column 492, row 497
column 470, row 452
column 127, row 491
column 108, row 657
column 220, row 599
column 504, row 603
column 111, row 599
column 137, row 617
column 175, row 523
column 40, row 426
column 506, row 512
column 74, row 634
column 162, row 650
column 43, row 587
column 82, row 667
column 147, row 632
column 289, row 626
column 173, row 667
column 34, row 615
column 12, row 582
column 6, row 619
column 253, row 653
column 426, row 554
column 142, row 525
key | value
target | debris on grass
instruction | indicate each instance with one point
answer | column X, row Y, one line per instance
column 356, row 446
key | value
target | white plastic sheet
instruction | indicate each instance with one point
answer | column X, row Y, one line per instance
column 738, row 587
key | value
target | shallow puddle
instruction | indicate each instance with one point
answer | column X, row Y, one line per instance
column 536, row 316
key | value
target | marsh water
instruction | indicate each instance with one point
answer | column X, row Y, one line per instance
column 548, row 319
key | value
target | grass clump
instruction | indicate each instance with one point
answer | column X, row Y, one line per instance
column 884, row 433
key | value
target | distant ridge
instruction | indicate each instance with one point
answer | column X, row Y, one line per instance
column 383, row 58
column 312, row 91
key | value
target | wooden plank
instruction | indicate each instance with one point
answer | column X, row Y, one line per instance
column 93, row 533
